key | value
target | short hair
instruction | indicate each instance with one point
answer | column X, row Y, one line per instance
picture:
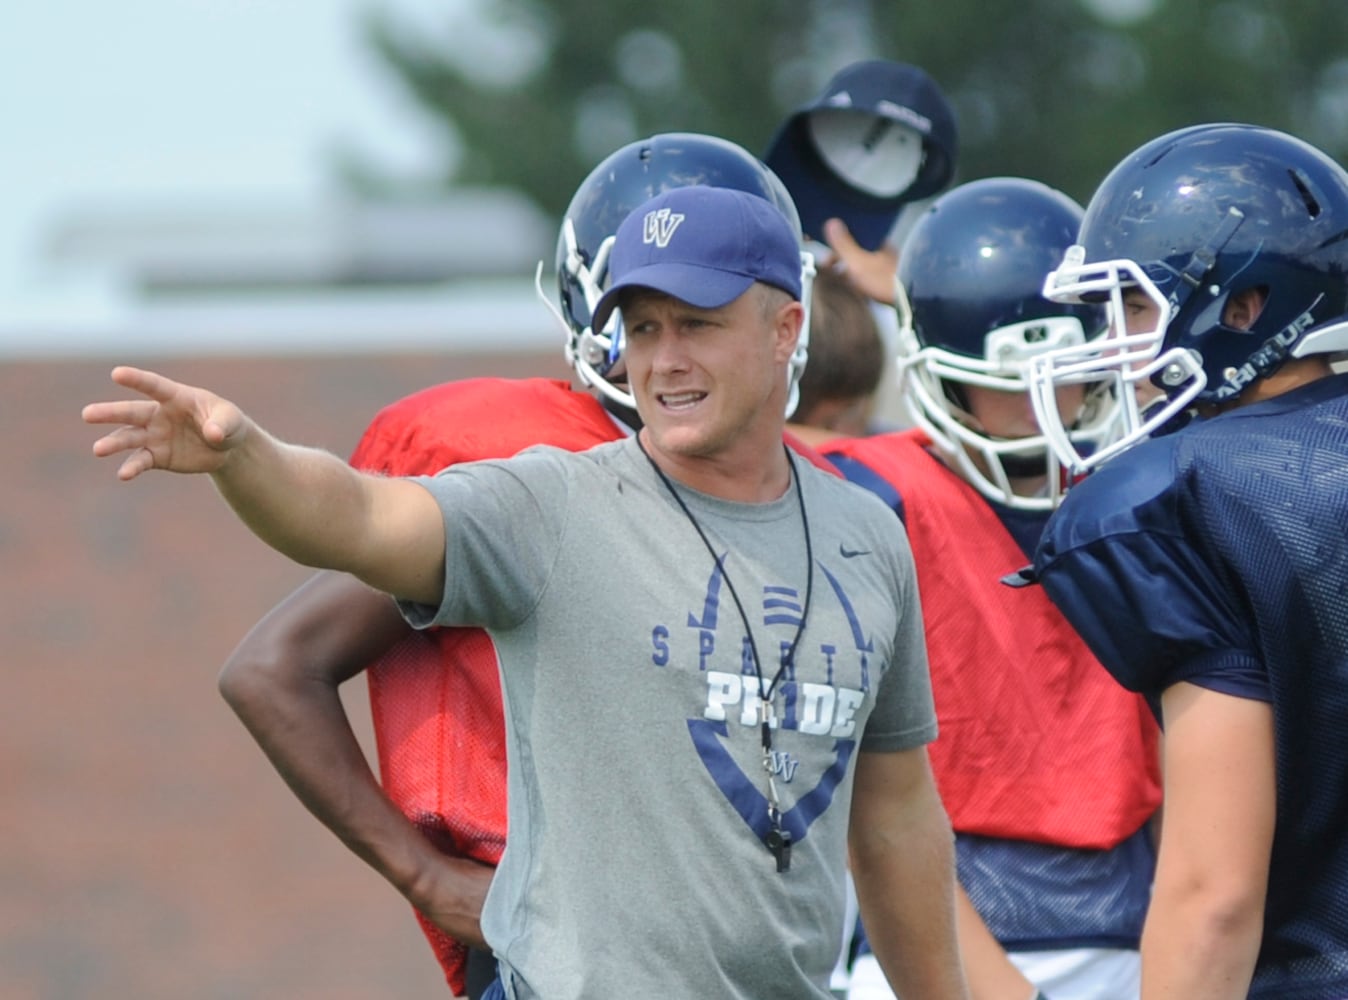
column 771, row 298
column 847, row 353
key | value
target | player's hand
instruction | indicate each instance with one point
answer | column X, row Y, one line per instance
column 451, row 896
column 871, row 272
column 176, row 427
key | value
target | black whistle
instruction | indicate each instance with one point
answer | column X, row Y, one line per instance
column 779, row 843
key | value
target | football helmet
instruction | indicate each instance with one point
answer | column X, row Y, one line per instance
column 1191, row 219
column 972, row 313
column 625, row 179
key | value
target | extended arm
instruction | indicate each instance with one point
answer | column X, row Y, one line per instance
column 306, row 503
column 903, row 863
column 282, row 681
column 1203, row 929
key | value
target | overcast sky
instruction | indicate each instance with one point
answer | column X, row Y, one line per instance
column 168, row 101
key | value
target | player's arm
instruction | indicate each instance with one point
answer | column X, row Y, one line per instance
column 991, row 974
column 307, row 504
column 282, row 681
column 1206, row 918
column 902, row 853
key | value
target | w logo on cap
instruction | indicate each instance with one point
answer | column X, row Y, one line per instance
column 658, row 226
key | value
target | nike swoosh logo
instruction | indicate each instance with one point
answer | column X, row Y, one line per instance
column 847, row 553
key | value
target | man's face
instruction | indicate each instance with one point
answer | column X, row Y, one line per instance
column 1010, row 415
column 1141, row 314
column 707, row 381
column 1140, row 311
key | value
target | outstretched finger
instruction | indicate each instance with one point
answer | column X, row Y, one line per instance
column 839, row 238
column 121, row 411
column 147, row 383
column 848, row 254
column 125, row 438
column 140, row 460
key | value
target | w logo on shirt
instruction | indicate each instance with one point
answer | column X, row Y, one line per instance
column 658, row 226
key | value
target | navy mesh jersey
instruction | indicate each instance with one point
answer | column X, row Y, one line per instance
column 1219, row 555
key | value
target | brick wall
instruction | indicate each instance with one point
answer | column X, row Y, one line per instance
column 147, row 849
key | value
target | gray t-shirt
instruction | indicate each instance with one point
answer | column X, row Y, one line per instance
column 635, row 864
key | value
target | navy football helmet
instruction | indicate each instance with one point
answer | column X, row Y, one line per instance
column 1191, row 219
column 972, row 313
column 625, row 179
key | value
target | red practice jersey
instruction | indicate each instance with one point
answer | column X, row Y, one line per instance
column 1037, row 742
column 435, row 697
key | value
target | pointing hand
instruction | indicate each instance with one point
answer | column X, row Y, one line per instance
column 176, row 427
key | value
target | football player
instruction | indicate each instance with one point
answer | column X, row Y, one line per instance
column 1047, row 768
column 1207, row 565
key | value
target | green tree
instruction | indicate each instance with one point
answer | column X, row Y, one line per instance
column 534, row 94
column 609, row 72
column 1062, row 89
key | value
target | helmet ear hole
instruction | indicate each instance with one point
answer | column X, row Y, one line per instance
column 1242, row 308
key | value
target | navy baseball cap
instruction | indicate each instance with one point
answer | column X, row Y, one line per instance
column 881, row 134
column 703, row 245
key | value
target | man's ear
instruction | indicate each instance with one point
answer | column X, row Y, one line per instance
column 1244, row 307
column 789, row 322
